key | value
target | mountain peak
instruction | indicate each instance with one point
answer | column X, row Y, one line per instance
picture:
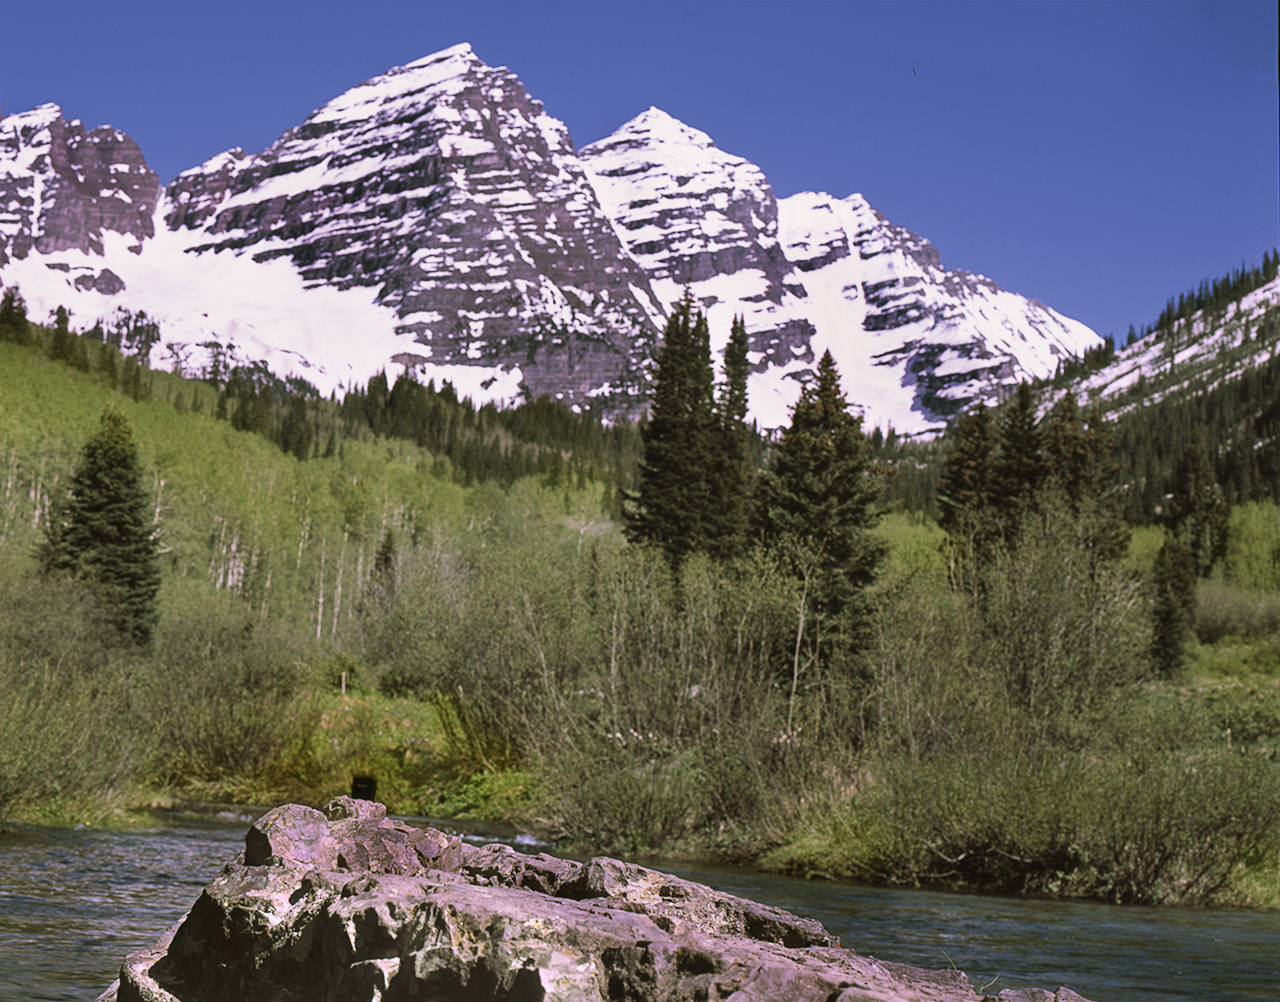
column 452, row 52
column 438, row 216
column 65, row 185
column 654, row 127
column 419, row 83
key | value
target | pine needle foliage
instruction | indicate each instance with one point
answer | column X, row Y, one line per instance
column 729, row 511
column 1019, row 469
column 672, row 506
column 14, row 327
column 966, row 488
column 819, row 503
column 1197, row 514
column 102, row 531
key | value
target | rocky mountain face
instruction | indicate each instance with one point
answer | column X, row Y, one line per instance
column 64, row 186
column 443, row 185
column 946, row 337
column 913, row 341
column 437, row 217
column 698, row 218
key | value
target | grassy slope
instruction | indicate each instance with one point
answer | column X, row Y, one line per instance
column 252, row 536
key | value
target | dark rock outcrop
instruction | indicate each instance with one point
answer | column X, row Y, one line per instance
column 106, row 281
column 448, row 189
column 348, row 904
column 89, row 182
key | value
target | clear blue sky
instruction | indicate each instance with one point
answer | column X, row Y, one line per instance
column 1100, row 157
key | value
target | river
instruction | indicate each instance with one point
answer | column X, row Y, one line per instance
column 74, row 902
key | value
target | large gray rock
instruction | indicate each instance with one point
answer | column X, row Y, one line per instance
column 349, row 905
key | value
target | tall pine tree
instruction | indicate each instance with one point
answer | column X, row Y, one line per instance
column 818, row 505
column 1019, row 467
column 60, row 343
column 729, row 512
column 1197, row 513
column 13, row 318
column 1069, row 454
column 102, row 530
column 672, row 505
column 967, row 485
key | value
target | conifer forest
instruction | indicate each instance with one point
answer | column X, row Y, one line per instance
column 1038, row 654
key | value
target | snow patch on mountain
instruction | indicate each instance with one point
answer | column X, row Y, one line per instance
column 333, row 338
column 437, row 217
column 1203, row 352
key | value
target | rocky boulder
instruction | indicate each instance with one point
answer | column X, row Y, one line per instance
column 350, row 905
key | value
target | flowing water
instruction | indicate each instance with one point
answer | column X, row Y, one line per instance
column 74, row 902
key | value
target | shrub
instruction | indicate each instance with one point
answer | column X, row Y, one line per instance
column 1225, row 610
column 1154, row 829
column 1253, row 547
column 71, row 730
column 223, row 689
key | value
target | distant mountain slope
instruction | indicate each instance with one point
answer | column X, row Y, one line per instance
column 1204, row 350
column 1214, row 373
column 436, row 216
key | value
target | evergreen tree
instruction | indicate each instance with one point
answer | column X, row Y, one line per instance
column 13, row 318
column 818, row 505
column 102, row 530
column 1195, row 538
column 1174, row 604
column 107, row 366
column 736, row 369
column 671, row 506
column 729, row 511
column 966, row 487
column 296, row 430
column 60, row 345
column 1197, row 514
column 1069, row 455
column 1019, row 467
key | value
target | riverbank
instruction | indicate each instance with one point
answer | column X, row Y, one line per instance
column 958, row 753
column 850, row 840
column 74, row 902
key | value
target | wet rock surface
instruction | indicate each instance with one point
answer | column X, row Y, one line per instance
column 347, row 904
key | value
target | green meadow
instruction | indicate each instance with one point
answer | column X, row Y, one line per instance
column 494, row 648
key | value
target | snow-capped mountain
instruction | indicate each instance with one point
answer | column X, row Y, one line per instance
column 914, row 343
column 437, row 217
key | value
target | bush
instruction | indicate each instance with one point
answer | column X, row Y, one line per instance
column 1014, row 749
column 1047, row 632
column 689, row 687
column 1155, row 829
column 1253, row 547
column 71, row 731
column 224, row 690
column 1225, row 610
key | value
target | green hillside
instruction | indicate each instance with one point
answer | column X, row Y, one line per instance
column 402, row 585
